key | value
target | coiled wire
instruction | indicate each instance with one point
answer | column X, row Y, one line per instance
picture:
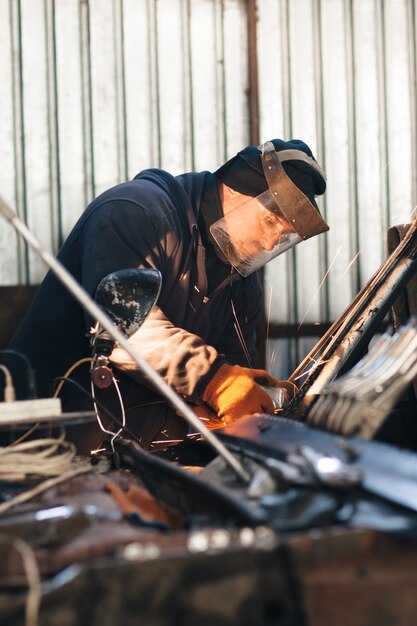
column 37, row 458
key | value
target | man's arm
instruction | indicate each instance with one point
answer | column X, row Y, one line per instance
column 183, row 359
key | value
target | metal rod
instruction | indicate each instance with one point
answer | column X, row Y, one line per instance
column 97, row 313
column 361, row 301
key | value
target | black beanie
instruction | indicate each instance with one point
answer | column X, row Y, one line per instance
column 244, row 172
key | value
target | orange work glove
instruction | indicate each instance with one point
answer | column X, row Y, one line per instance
column 235, row 391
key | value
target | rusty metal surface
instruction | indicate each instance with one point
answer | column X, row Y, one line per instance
column 98, row 570
column 101, row 572
column 110, row 573
column 353, row 578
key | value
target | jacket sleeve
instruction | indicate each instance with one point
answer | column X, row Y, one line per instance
column 119, row 235
column 183, row 359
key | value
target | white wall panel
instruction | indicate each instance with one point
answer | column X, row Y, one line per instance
column 304, row 83
column 94, row 91
column 9, row 108
column 274, row 102
column 173, row 92
column 207, row 66
column 273, row 60
column 338, row 198
column 289, row 88
column 36, row 141
column 105, row 93
column 399, row 152
column 139, row 87
column 71, row 140
column 370, row 168
column 234, row 30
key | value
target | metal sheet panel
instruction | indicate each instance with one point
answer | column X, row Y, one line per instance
column 9, row 251
column 207, row 85
column 400, row 118
column 69, row 129
column 347, row 74
column 35, row 76
column 340, row 241
column 140, row 96
column 362, row 56
column 274, row 103
column 94, row 91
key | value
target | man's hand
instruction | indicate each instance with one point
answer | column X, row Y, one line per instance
column 235, row 391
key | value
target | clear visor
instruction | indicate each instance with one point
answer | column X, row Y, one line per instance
column 254, row 233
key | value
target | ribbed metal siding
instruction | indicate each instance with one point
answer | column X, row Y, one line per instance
column 340, row 74
column 93, row 91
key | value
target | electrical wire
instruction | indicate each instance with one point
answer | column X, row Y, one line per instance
column 31, row 568
column 101, row 406
column 69, row 371
column 26, row 434
column 25, row 496
column 122, row 408
column 55, row 395
column 9, row 392
column 93, row 396
column 31, row 382
column 35, row 459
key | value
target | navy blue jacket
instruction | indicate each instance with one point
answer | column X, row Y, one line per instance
column 151, row 221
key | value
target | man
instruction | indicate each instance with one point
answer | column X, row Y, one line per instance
column 207, row 234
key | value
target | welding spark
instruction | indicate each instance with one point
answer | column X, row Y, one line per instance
column 97, row 451
column 315, row 366
column 350, row 264
column 168, row 441
column 320, row 286
column 94, row 329
column 268, row 316
column 240, row 335
column 274, row 355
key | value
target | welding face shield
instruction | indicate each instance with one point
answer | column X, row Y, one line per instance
column 263, row 227
column 254, row 233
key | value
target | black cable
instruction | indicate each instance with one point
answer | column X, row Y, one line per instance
column 30, row 372
column 100, row 405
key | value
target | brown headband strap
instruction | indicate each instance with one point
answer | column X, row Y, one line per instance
column 291, row 201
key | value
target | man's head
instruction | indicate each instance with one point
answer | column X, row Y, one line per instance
column 268, row 200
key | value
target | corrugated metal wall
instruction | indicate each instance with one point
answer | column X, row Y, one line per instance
column 342, row 75
column 92, row 91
